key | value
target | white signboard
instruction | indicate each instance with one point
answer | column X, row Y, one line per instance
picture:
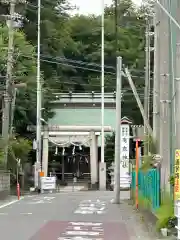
column 124, row 164
column 48, row 183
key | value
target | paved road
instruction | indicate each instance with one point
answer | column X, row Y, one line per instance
column 65, row 216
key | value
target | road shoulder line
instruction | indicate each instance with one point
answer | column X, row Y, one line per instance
column 10, row 203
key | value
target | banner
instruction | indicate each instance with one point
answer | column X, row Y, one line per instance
column 177, row 175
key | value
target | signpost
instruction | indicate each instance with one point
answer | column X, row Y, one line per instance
column 48, row 183
column 137, row 171
column 124, row 164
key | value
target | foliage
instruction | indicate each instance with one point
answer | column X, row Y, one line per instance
column 147, row 160
column 19, row 148
column 71, row 54
column 109, row 149
column 165, row 214
column 147, row 163
column 71, row 57
column 1, row 153
column 172, row 180
column 24, row 71
column 71, row 48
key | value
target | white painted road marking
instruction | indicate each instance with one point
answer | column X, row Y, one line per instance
column 41, row 200
column 72, row 189
column 83, row 231
column 26, row 213
column 91, row 207
column 10, row 203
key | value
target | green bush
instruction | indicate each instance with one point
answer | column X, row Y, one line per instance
column 165, row 214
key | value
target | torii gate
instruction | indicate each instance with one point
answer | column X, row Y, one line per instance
column 59, row 134
column 78, row 116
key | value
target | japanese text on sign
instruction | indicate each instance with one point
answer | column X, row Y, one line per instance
column 125, row 146
column 177, row 175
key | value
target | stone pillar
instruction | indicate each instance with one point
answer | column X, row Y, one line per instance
column 94, row 158
column 102, row 176
column 45, row 152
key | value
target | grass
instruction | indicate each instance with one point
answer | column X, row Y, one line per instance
column 164, row 214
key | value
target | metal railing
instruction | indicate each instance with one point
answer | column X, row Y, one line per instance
column 148, row 187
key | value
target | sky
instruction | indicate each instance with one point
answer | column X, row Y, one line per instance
column 93, row 6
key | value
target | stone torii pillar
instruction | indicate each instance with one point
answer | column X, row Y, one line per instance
column 93, row 157
column 45, row 152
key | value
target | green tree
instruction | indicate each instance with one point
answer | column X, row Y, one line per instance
column 19, row 148
column 55, row 38
column 109, row 149
column 71, row 48
column 128, row 43
column 24, row 71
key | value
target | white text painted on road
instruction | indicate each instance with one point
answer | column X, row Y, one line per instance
column 83, row 231
column 41, row 200
column 91, row 207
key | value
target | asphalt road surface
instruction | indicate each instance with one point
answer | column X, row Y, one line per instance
column 70, row 216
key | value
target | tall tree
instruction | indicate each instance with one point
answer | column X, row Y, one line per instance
column 54, row 37
column 128, row 43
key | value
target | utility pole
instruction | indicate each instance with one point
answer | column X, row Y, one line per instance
column 164, row 96
column 118, row 132
column 177, row 84
column 9, row 82
column 102, row 83
column 147, row 84
column 39, row 103
column 156, row 80
column 102, row 166
column 128, row 75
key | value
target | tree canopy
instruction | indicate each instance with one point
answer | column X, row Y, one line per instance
column 71, row 54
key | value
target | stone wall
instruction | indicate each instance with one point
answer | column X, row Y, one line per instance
column 4, row 184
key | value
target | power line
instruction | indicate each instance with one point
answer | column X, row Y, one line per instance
column 55, row 60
